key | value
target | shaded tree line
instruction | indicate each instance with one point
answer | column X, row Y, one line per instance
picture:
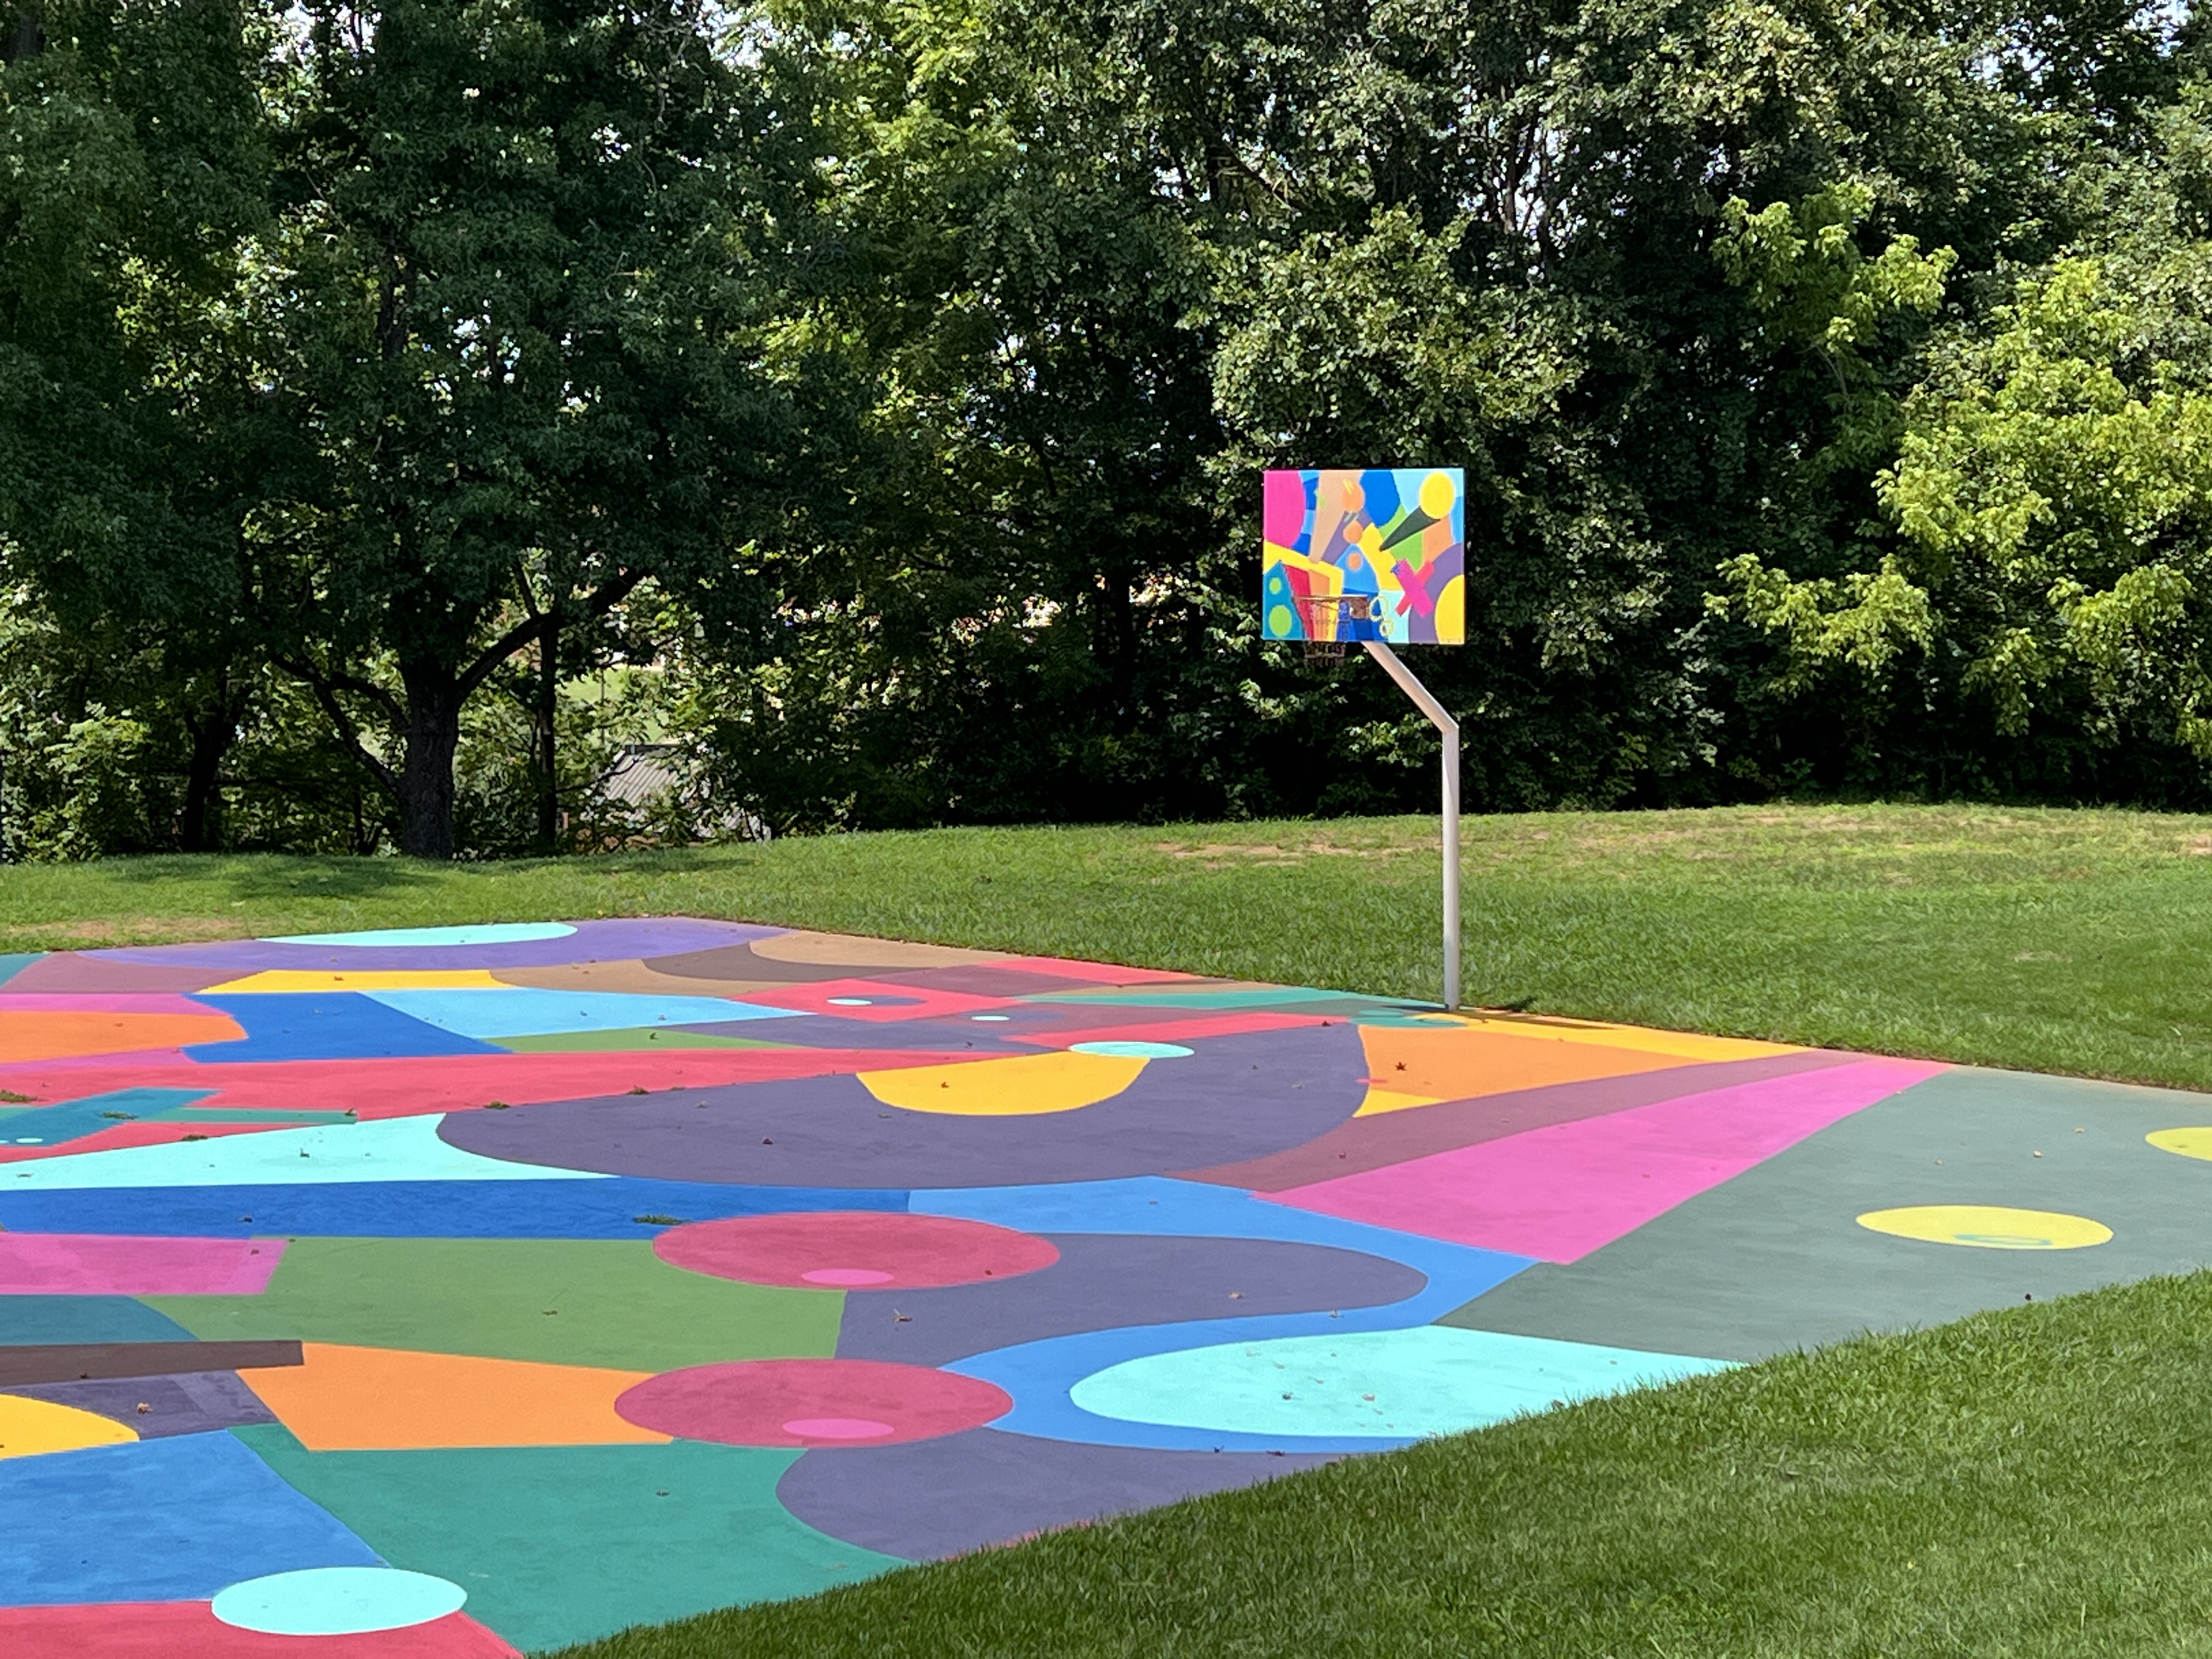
column 406, row 411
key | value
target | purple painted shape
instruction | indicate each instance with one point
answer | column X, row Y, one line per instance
column 101, row 1264
column 187, row 1402
column 71, row 971
column 1102, row 1281
column 1561, row 1192
column 13, row 1001
column 1234, row 1097
column 931, row 1498
column 593, row 941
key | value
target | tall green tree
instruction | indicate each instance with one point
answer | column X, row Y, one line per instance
column 522, row 293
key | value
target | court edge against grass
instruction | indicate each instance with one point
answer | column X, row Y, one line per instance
column 2067, row 941
column 2023, row 1483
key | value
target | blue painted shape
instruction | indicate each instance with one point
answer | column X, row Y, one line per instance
column 168, row 1519
column 396, row 938
column 13, row 961
column 405, row 1209
column 1380, row 1385
column 388, row 1149
column 1039, row 1377
column 337, row 1602
column 40, row 1319
column 325, row 1025
column 74, row 1120
column 522, row 1011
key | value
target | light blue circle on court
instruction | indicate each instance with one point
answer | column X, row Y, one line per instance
column 991, row 1016
column 337, row 1602
column 393, row 938
column 1132, row 1050
column 853, row 1002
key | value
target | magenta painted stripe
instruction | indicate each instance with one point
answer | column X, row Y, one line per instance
column 1561, row 1192
column 87, row 1264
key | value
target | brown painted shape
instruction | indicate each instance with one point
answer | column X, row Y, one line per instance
column 71, row 1361
column 851, row 951
column 632, row 977
column 981, row 981
column 733, row 964
column 1361, row 1143
column 68, row 970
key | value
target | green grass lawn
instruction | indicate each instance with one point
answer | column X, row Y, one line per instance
column 2033, row 1482
column 2054, row 941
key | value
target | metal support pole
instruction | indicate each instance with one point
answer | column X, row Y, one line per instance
column 1448, row 729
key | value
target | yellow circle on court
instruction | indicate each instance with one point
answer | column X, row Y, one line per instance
column 2190, row 1143
column 1988, row 1226
column 28, row 1427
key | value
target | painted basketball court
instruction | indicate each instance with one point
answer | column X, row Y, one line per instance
column 452, row 1291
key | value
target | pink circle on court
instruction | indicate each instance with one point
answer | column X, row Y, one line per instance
column 837, row 1428
column 853, row 1250
column 811, row 1403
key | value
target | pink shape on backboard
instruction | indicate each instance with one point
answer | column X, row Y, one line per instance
column 1283, row 508
column 1561, row 1192
column 84, row 1264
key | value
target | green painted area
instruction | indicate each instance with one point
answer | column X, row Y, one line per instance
column 559, row 1544
column 573, row 1302
column 1679, row 1283
column 625, row 1039
column 272, row 1115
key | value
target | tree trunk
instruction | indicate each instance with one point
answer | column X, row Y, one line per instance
column 426, row 775
column 549, row 693
column 213, row 732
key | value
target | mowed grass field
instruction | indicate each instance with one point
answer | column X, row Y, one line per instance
column 2032, row 1482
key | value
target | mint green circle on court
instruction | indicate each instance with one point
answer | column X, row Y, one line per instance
column 394, row 939
column 1117, row 1050
column 337, row 1602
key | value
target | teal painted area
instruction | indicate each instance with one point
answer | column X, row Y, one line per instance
column 338, row 1601
column 522, row 1011
column 493, row 932
column 12, row 964
column 77, row 1119
column 392, row 1149
column 1389, row 1384
column 560, row 1543
column 42, row 1319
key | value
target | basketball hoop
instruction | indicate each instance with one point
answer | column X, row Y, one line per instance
column 1329, row 619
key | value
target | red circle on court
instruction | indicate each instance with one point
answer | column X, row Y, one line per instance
column 811, row 1403
column 853, row 1250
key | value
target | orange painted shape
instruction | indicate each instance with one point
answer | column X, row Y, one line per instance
column 348, row 1398
column 1411, row 1066
column 48, row 1035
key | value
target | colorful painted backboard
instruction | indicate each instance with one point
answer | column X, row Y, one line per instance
column 1388, row 545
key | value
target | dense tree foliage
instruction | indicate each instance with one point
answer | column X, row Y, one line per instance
column 407, row 411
